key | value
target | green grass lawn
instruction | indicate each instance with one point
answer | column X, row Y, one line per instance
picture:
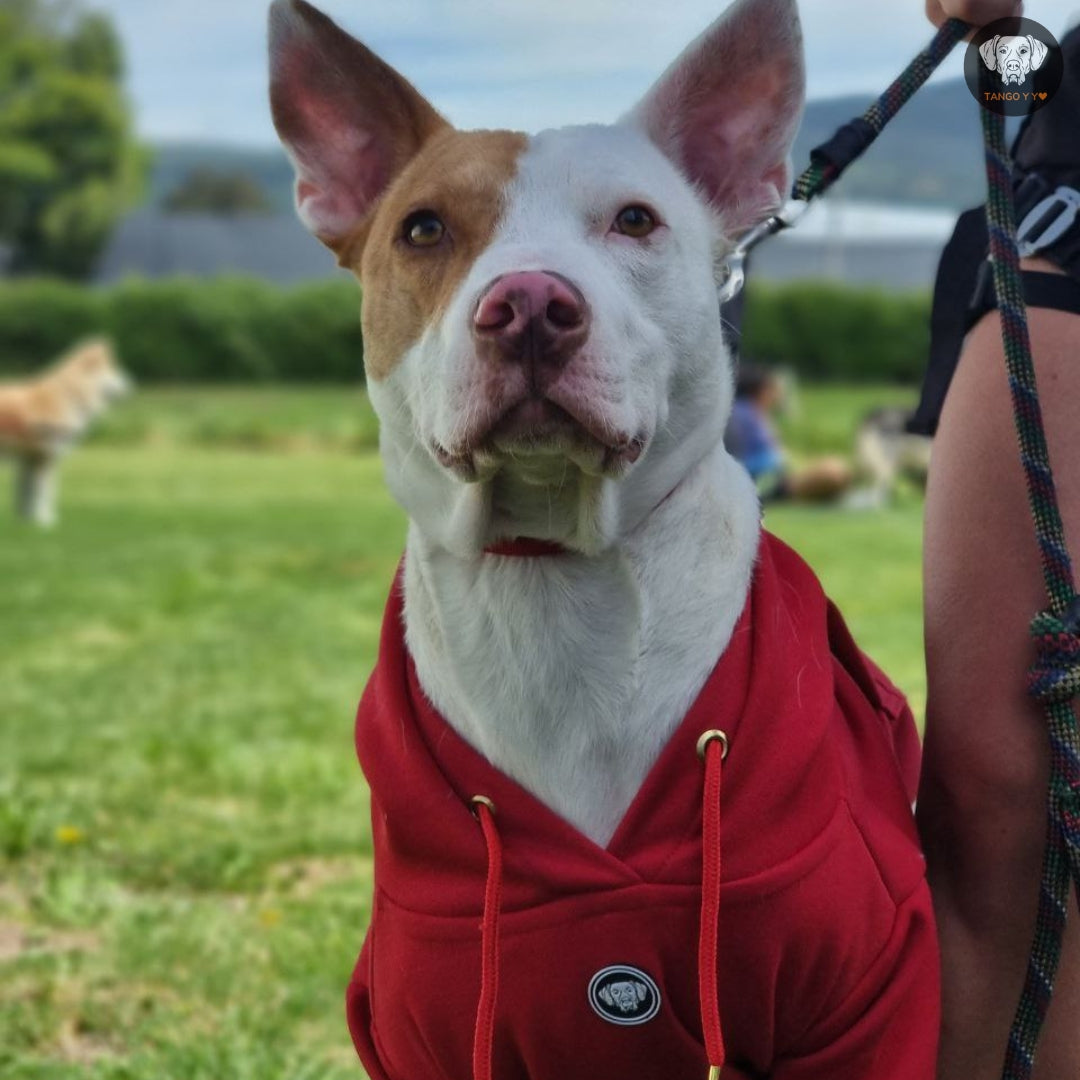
column 184, row 845
column 268, row 418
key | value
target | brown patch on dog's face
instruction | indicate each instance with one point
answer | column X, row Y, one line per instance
column 461, row 177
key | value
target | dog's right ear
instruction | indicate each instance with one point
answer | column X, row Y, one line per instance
column 348, row 120
column 988, row 51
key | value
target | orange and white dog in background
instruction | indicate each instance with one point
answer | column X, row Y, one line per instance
column 42, row 418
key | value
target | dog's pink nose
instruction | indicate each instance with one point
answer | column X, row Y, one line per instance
column 531, row 316
column 514, row 300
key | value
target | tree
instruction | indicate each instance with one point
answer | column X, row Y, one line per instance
column 214, row 191
column 69, row 165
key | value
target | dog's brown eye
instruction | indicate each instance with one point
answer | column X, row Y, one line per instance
column 423, row 229
column 634, row 221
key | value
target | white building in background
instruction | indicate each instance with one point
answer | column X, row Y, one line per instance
column 858, row 243
column 153, row 244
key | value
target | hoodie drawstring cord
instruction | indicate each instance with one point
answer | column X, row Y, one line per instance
column 484, row 1035
column 712, row 748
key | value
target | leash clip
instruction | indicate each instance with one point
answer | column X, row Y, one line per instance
column 735, row 263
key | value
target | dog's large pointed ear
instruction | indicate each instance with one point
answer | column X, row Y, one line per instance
column 348, row 120
column 727, row 110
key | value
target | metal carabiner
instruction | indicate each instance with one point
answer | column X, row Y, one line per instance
column 1050, row 226
column 735, row 263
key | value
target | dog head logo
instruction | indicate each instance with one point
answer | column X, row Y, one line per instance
column 624, row 995
column 1013, row 66
column 1013, row 58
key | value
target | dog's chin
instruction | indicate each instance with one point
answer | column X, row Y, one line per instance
column 538, row 441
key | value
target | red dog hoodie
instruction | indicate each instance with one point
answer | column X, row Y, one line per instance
column 796, row 942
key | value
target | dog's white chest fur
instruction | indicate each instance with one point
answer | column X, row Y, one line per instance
column 569, row 673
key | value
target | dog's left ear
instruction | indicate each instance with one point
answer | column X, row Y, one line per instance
column 727, row 110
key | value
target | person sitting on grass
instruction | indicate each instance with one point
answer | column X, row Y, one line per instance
column 752, row 440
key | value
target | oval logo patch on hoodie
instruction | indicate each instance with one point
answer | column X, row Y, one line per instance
column 624, row 995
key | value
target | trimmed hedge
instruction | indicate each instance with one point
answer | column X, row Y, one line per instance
column 40, row 319
column 191, row 330
column 834, row 332
column 245, row 330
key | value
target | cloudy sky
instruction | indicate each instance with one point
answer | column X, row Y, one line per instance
column 197, row 67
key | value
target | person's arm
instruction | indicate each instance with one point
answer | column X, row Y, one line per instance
column 982, row 802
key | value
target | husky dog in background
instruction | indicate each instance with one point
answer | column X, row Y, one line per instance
column 886, row 451
column 42, row 418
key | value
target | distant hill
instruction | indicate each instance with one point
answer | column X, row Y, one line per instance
column 931, row 155
column 174, row 161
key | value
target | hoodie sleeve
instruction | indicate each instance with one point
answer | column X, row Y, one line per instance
column 889, row 702
column 873, row 1035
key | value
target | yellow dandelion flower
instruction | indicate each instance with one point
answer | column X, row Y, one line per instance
column 69, row 835
column 269, row 917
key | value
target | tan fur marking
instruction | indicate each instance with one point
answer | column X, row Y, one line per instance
column 462, row 177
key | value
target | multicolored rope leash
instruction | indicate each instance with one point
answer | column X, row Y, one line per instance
column 828, row 161
column 1054, row 679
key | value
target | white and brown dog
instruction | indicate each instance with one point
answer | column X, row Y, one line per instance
column 544, row 351
column 42, row 418
column 543, row 347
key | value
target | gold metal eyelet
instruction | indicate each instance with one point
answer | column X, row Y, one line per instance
column 480, row 800
column 714, row 1070
column 714, row 734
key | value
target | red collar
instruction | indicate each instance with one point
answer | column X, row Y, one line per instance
column 525, row 547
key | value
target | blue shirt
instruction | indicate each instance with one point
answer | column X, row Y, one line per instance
column 750, row 440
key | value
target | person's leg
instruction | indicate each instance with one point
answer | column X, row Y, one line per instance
column 982, row 802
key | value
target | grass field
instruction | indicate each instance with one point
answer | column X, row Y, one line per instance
column 184, row 845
